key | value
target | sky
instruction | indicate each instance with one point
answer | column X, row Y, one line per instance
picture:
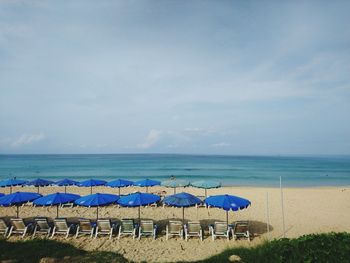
column 193, row 77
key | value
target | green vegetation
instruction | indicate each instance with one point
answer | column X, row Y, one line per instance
column 332, row 247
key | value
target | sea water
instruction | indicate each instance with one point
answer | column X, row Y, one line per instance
column 229, row 170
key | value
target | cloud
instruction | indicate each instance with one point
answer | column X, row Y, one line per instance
column 221, row 144
column 26, row 139
column 151, row 139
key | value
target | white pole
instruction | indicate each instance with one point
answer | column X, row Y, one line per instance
column 267, row 216
column 284, row 230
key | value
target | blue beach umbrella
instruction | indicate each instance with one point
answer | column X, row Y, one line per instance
column 18, row 198
column 66, row 182
column 120, row 183
column 12, row 182
column 182, row 200
column 40, row 182
column 56, row 199
column 227, row 202
column 92, row 182
column 137, row 200
column 175, row 183
column 96, row 200
column 147, row 183
column 206, row 184
column 1, row 194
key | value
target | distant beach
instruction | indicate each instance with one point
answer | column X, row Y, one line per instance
column 296, row 171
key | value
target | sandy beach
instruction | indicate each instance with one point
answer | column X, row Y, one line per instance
column 307, row 210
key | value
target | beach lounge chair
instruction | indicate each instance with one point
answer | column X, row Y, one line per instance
column 61, row 227
column 147, row 228
column 193, row 229
column 4, row 228
column 105, row 227
column 127, row 227
column 19, row 227
column 85, row 227
column 241, row 229
column 220, row 229
column 42, row 226
column 174, row 228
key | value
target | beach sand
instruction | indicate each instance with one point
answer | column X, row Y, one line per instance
column 307, row 210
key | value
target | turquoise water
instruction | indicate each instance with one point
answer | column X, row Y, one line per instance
column 229, row 170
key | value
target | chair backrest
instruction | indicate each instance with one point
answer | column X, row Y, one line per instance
column 127, row 225
column 61, row 224
column 85, row 224
column 147, row 225
column 18, row 223
column 241, row 226
column 104, row 224
column 42, row 223
column 3, row 224
column 193, row 227
column 175, row 226
column 220, row 227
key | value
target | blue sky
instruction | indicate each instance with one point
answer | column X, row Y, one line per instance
column 221, row 77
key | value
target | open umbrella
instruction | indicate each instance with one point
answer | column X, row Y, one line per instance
column 137, row 200
column 40, row 182
column 147, row 183
column 66, row 182
column 12, row 182
column 227, row 202
column 92, row 182
column 96, row 200
column 56, row 199
column 206, row 184
column 182, row 200
column 175, row 183
column 119, row 183
column 1, row 194
column 18, row 198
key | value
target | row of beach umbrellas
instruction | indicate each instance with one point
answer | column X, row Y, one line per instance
column 183, row 200
column 206, row 184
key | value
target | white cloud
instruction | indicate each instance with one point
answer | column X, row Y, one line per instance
column 221, row 144
column 151, row 139
column 26, row 139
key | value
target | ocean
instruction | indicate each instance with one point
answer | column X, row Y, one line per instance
column 229, row 170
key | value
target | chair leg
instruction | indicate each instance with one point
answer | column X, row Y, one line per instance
column 96, row 232
column 111, row 233
column 10, row 233
column 53, row 232
column 24, row 232
column 35, row 228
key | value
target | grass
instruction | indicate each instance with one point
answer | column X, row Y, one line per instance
column 332, row 247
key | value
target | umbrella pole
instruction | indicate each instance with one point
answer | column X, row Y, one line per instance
column 97, row 212
column 38, row 189
column 119, row 190
column 65, row 189
column 10, row 189
column 146, row 189
column 57, row 211
column 183, row 215
column 17, row 210
column 91, row 190
column 227, row 218
column 139, row 214
column 205, row 190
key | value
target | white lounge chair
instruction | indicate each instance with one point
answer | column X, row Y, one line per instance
column 42, row 226
column 193, row 229
column 105, row 227
column 174, row 228
column 241, row 229
column 147, row 228
column 220, row 229
column 19, row 227
column 127, row 227
column 85, row 227
column 61, row 227
column 4, row 228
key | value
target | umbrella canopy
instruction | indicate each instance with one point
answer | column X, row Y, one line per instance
column 227, row 202
column 206, row 184
column 138, row 200
column 92, row 182
column 120, row 183
column 56, row 199
column 147, row 183
column 18, row 198
column 182, row 200
column 66, row 182
column 175, row 183
column 96, row 200
column 12, row 182
column 40, row 182
column 1, row 194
